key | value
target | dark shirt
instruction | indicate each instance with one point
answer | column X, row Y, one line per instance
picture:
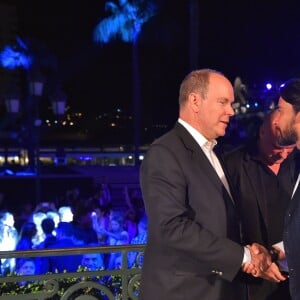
column 66, row 262
column 43, row 263
column 262, row 198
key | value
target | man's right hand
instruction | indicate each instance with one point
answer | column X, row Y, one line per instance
column 261, row 265
column 260, row 257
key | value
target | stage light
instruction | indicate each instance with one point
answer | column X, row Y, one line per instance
column 269, row 86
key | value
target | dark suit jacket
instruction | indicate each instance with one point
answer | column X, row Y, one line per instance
column 291, row 238
column 187, row 255
column 262, row 199
column 254, row 186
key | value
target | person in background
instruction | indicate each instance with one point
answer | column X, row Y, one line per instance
column 194, row 246
column 54, row 215
column 136, row 258
column 42, row 263
column 26, row 266
column 100, row 219
column 48, row 227
column 26, row 236
column 37, row 219
column 134, row 201
column 82, row 222
column 263, row 175
column 131, row 223
column 65, row 214
column 65, row 239
column 116, row 235
column 8, row 240
column 92, row 261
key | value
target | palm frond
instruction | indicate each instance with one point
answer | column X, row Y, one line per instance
column 125, row 22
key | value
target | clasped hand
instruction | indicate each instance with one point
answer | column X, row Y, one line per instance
column 261, row 264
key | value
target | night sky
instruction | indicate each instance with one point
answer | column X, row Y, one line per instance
column 254, row 40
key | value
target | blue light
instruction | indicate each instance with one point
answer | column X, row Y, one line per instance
column 85, row 158
column 256, row 104
column 248, row 105
column 125, row 22
column 269, row 86
column 10, row 58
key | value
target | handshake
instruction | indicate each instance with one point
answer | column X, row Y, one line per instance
column 262, row 264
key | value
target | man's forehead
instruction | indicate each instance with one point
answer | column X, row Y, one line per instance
column 283, row 102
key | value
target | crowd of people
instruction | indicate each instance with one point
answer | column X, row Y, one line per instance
column 88, row 222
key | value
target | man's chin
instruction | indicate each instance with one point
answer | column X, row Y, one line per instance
column 221, row 133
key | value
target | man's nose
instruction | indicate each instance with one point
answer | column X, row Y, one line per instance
column 230, row 111
column 284, row 153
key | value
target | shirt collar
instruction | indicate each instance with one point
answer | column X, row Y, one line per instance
column 200, row 139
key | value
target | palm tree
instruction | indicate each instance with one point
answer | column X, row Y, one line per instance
column 17, row 56
column 126, row 21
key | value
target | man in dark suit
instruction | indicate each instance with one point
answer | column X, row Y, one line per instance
column 193, row 250
column 288, row 127
column 263, row 175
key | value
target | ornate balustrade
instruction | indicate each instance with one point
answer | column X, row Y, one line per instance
column 106, row 284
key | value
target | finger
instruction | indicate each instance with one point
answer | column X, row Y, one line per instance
column 248, row 267
column 274, row 274
column 254, row 249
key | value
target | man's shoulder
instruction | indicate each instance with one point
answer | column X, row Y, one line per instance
column 237, row 159
column 236, row 153
column 167, row 138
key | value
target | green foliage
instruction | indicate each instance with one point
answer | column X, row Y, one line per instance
column 113, row 283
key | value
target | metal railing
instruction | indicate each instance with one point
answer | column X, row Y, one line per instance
column 103, row 284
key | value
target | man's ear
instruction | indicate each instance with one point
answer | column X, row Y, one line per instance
column 194, row 102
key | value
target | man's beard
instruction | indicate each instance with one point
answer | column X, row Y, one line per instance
column 287, row 137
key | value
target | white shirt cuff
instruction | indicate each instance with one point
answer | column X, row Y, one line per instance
column 280, row 245
column 247, row 256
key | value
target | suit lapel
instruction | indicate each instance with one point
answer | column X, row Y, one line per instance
column 295, row 198
column 198, row 155
column 257, row 185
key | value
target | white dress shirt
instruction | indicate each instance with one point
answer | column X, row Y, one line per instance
column 207, row 147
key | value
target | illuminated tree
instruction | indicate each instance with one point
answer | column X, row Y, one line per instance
column 12, row 57
column 125, row 23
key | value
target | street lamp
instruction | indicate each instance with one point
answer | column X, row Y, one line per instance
column 58, row 104
column 12, row 105
column 58, row 101
column 36, row 87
